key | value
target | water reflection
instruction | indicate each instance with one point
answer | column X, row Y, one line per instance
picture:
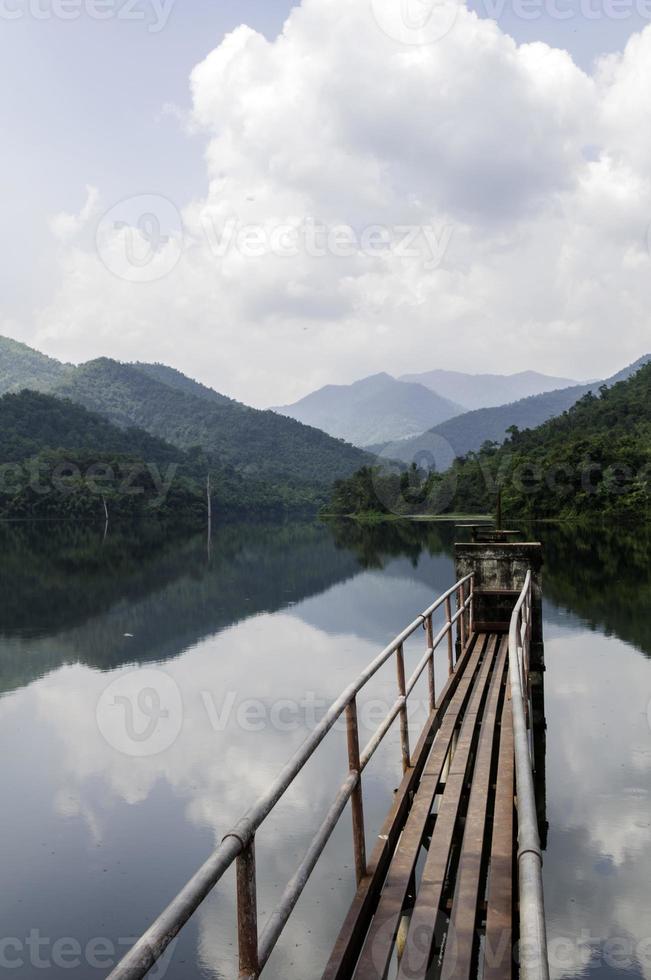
column 258, row 638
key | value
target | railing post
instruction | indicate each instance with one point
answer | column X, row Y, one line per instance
column 448, row 616
column 356, row 799
column 429, row 633
column 404, row 718
column 461, row 629
column 247, row 913
column 466, row 593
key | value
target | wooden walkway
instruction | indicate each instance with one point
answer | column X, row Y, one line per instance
column 455, row 858
column 438, row 895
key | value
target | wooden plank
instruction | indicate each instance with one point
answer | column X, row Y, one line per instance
column 425, row 918
column 498, row 947
column 378, row 946
column 353, row 931
column 462, row 932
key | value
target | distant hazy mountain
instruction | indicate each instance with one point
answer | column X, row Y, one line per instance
column 468, row 432
column 487, row 390
column 23, row 367
column 375, row 409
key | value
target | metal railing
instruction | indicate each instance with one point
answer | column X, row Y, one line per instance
column 534, row 963
column 239, row 844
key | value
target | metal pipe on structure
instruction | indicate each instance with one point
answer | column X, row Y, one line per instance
column 534, row 964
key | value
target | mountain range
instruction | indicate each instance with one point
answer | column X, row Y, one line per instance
column 375, row 409
column 590, row 462
column 278, row 458
column 264, row 457
column 381, row 408
column 487, row 390
column 441, row 444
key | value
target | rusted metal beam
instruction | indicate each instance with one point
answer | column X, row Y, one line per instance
column 404, row 717
column 247, row 912
column 357, row 802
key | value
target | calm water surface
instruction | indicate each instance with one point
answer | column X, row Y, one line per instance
column 108, row 809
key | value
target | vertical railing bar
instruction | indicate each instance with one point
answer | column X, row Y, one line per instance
column 459, row 620
column 356, row 800
column 429, row 634
column 404, row 717
column 448, row 616
column 247, row 913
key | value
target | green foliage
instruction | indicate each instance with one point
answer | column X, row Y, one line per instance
column 468, row 432
column 296, row 462
column 59, row 460
column 593, row 461
column 176, row 379
column 22, row 367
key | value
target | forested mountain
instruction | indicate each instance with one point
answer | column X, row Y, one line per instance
column 23, row 367
column 488, row 390
column 267, row 458
column 260, row 445
column 176, row 379
column 31, row 422
column 61, row 460
column 594, row 461
column 375, row 409
column 468, row 432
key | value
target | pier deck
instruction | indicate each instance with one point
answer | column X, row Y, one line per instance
column 453, row 880
column 439, row 885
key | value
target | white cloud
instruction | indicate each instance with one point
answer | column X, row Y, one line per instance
column 540, row 171
column 65, row 226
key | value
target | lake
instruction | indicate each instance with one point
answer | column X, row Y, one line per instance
column 245, row 645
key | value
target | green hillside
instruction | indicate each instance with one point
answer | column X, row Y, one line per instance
column 262, row 446
column 23, row 367
column 60, row 460
column 176, row 379
column 438, row 447
column 592, row 462
column 31, row 422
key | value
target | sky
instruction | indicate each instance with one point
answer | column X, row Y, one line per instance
column 275, row 196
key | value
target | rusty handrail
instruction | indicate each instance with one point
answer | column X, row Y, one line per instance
column 239, row 844
column 534, row 963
